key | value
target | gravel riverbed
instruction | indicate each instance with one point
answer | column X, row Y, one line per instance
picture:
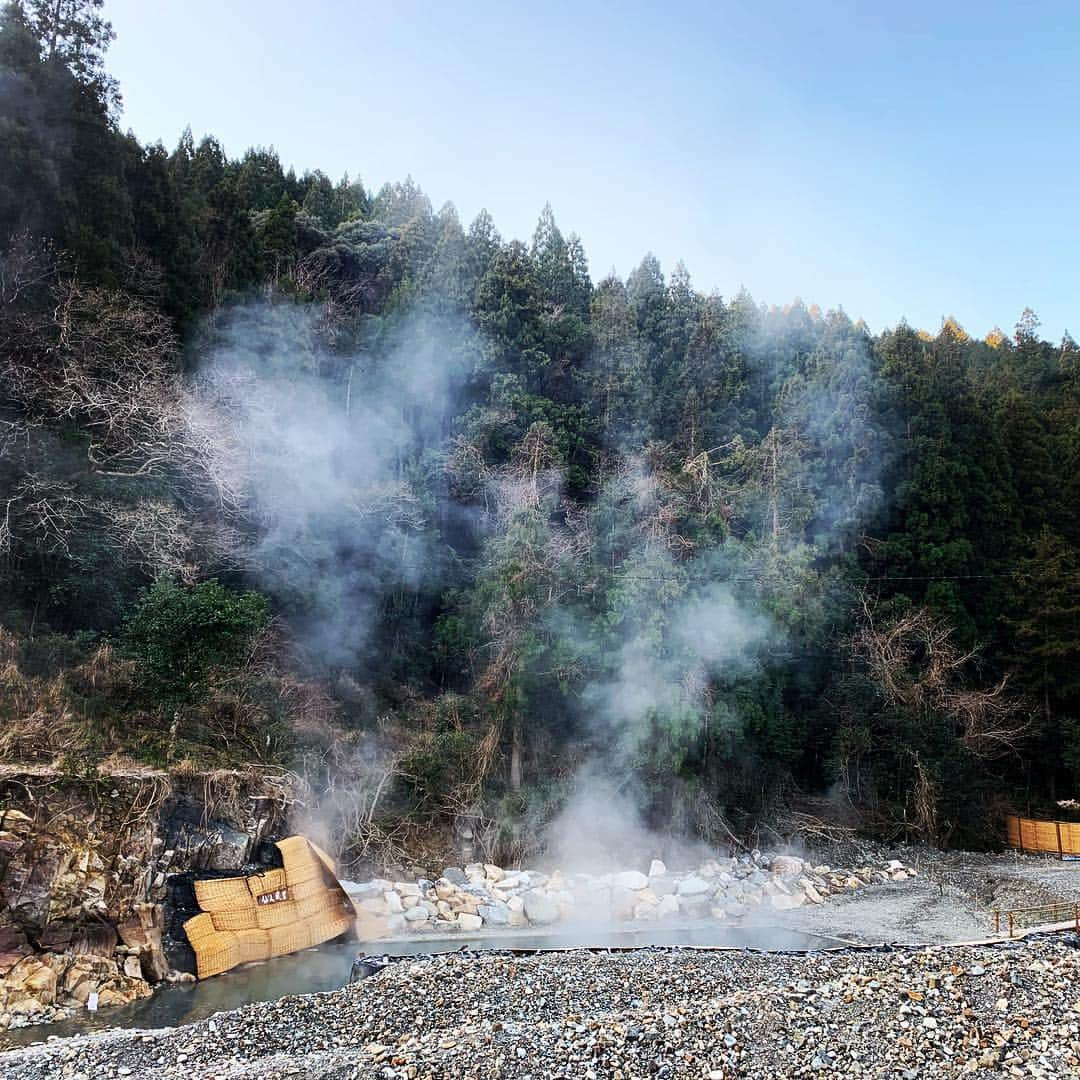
column 1010, row 1009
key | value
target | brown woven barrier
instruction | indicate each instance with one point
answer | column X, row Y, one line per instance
column 238, row 919
column 1061, row 838
column 223, row 894
column 269, row 914
column 273, row 881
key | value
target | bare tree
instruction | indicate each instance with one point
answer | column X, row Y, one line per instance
column 915, row 662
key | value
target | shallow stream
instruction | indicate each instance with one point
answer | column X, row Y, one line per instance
column 327, row 968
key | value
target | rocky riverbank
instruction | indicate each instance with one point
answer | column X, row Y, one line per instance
column 476, row 896
column 994, row 1011
column 87, row 865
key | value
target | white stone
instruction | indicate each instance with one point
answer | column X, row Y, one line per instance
column 416, row 914
column 493, row 872
column 786, row 865
column 540, row 909
column 393, row 902
column 497, row 914
column 692, row 886
column 470, row 922
column 669, row 905
column 630, row 879
column 657, row 868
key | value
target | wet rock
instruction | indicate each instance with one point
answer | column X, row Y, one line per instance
column 630, row 879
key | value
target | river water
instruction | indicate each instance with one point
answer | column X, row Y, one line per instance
column 327, row 968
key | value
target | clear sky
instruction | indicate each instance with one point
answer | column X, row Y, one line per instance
column 897, row 159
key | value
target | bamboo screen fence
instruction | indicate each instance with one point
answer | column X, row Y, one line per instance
column 269, row 914
column 1061, row 838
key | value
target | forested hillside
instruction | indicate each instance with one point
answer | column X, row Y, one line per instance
column 299, row 476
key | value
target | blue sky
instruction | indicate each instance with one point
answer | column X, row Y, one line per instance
column 900, row 160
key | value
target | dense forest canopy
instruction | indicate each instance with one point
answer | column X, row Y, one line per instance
column 297, row 475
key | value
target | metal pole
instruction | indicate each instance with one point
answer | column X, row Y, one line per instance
column 1010, row 924
column 997, row 921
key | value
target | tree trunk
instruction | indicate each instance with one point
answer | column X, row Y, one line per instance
column 515, row 756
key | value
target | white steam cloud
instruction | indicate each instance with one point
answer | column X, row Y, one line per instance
column 321, row 446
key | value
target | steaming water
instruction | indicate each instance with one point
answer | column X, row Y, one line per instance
column 327, row 968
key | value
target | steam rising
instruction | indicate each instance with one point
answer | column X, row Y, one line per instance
column 710, row 635
column 333, row 454
column 322, row 444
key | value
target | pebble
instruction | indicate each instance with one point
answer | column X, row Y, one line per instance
column 678, row 1013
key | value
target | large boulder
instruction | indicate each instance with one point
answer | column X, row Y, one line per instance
column 540, row 909
column 692, row 886
column 495, row 914
column 786, row 865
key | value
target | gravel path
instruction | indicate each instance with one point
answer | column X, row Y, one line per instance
column 912, row 911
column 1003, row 1010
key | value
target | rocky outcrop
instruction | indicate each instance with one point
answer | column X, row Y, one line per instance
column 86, row 865
column 485, row 896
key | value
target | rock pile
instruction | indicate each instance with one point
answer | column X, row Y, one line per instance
column 486, row 896
column 77, row 970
